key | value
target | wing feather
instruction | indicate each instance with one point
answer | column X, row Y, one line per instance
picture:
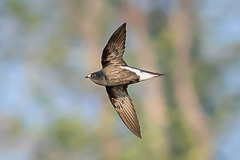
column 115, row 47
column 122, row 103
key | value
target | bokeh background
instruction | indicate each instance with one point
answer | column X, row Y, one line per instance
column 49, row 111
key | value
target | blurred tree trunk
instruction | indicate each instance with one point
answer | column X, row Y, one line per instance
column 186, row 98
column 91, row 32
column 154, row 104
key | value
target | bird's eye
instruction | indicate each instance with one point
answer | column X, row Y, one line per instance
column 93, row 75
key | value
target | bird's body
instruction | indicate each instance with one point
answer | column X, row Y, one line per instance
column 116, row 75
column 121, row 75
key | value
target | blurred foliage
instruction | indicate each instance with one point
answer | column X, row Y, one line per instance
column 65, row 138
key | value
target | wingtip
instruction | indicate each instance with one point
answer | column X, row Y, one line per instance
column 124, row 25
column 139, row 136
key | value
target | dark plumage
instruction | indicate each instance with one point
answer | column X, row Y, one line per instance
column 116, row 75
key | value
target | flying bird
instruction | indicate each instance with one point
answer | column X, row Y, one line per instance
column 116, row 75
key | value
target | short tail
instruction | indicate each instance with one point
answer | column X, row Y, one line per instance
column 148, row 75
column 159, row 74
column 143, row 75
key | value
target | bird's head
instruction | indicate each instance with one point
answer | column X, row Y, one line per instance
column 96, row 77
column 92, row 76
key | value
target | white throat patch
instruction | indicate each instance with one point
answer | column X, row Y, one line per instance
column 143, row 75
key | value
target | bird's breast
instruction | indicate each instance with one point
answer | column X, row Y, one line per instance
column 120, row 76
column 114, row 73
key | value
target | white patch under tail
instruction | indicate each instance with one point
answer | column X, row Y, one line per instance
column 142, row 74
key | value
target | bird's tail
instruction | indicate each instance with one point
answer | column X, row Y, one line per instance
column 148, row 75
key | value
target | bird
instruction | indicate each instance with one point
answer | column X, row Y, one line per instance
column 116, row 75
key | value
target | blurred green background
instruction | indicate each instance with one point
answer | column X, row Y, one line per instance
column 49, row 111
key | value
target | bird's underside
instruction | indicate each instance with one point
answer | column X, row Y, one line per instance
column 126, row 75
column 116, row 75
column 118, row 95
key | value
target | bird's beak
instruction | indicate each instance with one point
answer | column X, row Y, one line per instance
column 88, row 76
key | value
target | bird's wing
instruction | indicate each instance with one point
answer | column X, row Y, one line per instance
column 122, row 103
column 114, row 49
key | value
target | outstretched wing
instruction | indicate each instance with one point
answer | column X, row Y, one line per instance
column 122, row 103
column 114, row 49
